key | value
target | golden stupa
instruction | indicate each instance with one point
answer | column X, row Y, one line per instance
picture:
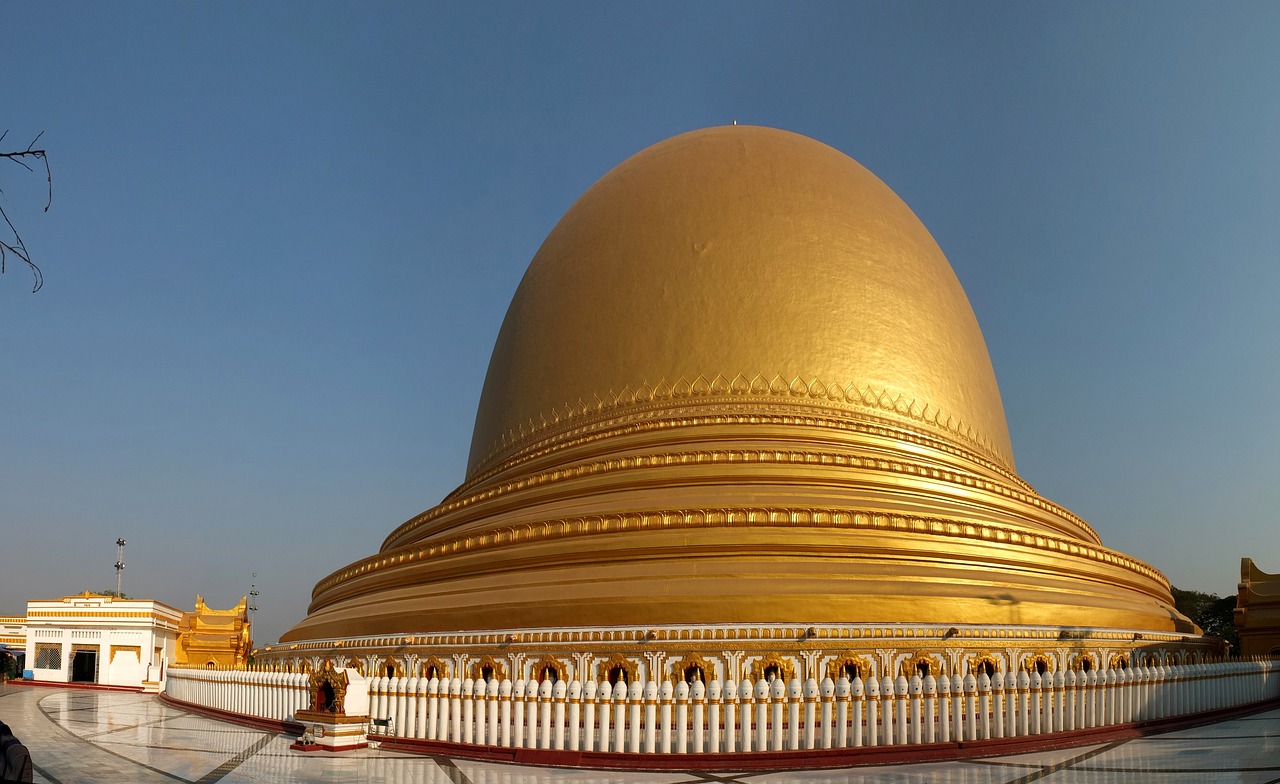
column 738, row 387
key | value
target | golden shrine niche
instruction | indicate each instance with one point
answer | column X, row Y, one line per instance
column 617, row 668
column 923, row 663
column 692, row 667
column 389, row 667
column 433, row 667
column 1041, row 662
column 548, row 668
column 740, row 392
column 1082, row 662
column 850, row 665
column 328, row 689
column 487, row 668
column 770, row 668
column 988, row 662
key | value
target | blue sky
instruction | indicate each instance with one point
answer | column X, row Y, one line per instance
column 283, row 237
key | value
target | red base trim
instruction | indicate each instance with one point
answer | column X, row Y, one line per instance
column 816, row 758
column 77, row 685
column 310, row 747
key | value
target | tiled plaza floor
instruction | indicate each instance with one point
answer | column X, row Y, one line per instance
column 80, row 736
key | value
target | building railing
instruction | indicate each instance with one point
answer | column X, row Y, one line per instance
column 261, row 694
column 746, row 716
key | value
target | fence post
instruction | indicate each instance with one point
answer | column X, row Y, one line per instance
column 532, row 707
column 902, row 691
column 746, row 694
column 944, row 708
column 811, row 691
column 729, row 695
column 681, row 739
column 984, row 706
column 468, row 725
column 715, row 713
column 827, row 693
column 590, row 695
column 856, row 705
column 635, row 700
column 886, row 711
column 916, row 689
column 762, row 715
column 621, row 690
column 930, row 711
column 517, row 721
column 559, row 691
column 970, row 707
column 575, row 715
column 479, row 696
column 545, row 690
column 1037, row 702
column 793, row 691
column 492, row 697
column 698, row 695
column 666, row 694
column 873, row 711
column 651, row 716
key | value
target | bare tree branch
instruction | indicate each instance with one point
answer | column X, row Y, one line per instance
column 16, row 246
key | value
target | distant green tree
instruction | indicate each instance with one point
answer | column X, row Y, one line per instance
column 1211, row 612
column 111, row 592
column 8, row 666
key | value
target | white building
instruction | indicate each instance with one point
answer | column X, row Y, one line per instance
column 88, row 638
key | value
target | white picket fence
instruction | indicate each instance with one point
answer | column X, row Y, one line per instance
column 682, row 718
column 262, row 694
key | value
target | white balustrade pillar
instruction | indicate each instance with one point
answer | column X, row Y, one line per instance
column 886, row 711
column 902, row 693
column 777, row 697
column 829, row 698
column 590, row 694
column 985, row 704
column 650, row 717
column 603, row 715
column 762, row 715
column 532, row 708
column 575, row 717
column 698, row 707
column 970, row 707
column 794, row 694
column 944, row 709
column 855, row 703
column 635, row 701
column 929, row 709
column 666, row 695
column 747, row 700
column 732, row 711
column 873, row 711
column 555, row 712
column 811, row 691
column 621, row 713
column 467, row 698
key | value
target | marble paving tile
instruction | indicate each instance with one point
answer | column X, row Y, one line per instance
column 498, row 773
column 84, row 737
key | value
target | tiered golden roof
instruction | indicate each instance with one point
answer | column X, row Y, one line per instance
column 220, row 638
column 739, row 383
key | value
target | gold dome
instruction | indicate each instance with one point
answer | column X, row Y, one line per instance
column 739, row 384
column 748, row 254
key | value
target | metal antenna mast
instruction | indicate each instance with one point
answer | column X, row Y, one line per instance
column 120, row 543
column 253, row 598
